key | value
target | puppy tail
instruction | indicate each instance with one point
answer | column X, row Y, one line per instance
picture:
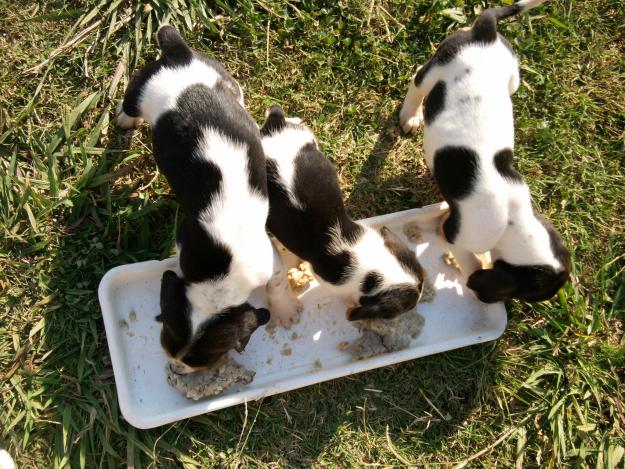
column 275, row 120
column 173, row 47
column 485, row 27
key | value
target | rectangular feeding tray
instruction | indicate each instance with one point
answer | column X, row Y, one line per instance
column 284, row 360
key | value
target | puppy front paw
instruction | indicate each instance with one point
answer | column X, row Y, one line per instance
column 410, row 121
column 124, row 120
column 285, row 311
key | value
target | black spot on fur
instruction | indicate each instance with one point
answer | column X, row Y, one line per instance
column 372, row 281
column 201, row 257
column 451, row 226
column 455, row 170
column 386, row 304
column 503, row 163
column 175, row 314
column 434, row 102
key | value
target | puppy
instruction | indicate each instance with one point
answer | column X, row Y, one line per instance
column 463, row 95
column 368, row 267
column 209, row 149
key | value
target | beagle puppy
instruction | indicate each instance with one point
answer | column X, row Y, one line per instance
column 370, row 268
column 209, row 148
column 462, row 94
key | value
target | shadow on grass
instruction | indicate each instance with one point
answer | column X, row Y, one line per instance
column 376, row 194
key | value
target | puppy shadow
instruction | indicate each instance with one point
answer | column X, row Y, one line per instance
column 394, row 176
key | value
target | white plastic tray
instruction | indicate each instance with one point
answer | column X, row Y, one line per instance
column 129, row 297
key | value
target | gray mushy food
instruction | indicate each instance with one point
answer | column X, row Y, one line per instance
column 211, row 382
column 387, row 335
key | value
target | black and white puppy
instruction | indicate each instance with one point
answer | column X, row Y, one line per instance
column 209, row 149
column 369, row 268
column 463, row 95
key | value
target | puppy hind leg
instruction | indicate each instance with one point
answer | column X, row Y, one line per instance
column 284, row 305
column 411, row 113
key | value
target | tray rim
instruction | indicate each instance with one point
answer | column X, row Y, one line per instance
column 141, row 421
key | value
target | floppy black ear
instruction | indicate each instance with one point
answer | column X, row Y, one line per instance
column 369, row 312
column 248, row 323
column 493, row 285
column 172, row 294
column 386, row 304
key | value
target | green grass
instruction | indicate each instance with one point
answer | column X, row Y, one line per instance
column 78, row 196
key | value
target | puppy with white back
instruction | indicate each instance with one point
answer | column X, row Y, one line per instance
column 370, row 268
column 209, row 149
column 463, row 96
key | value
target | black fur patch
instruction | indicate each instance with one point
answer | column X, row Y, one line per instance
column 175, row 314
column 503, row 163
column 306, row 231
column 372, row 281
column 201, row 257
column 455, row 170
column 386, row 304
column 485, row 28
column 451, row 226
column 434, row 102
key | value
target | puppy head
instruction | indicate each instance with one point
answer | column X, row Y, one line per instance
column 386, row 304
column 505, row 281
column 385, row 297
column 203, row 348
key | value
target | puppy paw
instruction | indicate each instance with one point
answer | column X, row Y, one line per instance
column 285, row 311
column 410, row 122
column 124, row 120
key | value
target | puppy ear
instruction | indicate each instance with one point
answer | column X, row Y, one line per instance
column 367, row 312
column 248, row 323
column 493, row 285
column 385, row 305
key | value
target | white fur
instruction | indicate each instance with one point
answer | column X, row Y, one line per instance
column 236, row 219
column 283, row 147
column 486, row 127
column 369, row 253
column 161, row 91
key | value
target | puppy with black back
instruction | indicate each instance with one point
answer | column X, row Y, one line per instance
column 209, row 149
column 463, row 96
column 371, row 269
